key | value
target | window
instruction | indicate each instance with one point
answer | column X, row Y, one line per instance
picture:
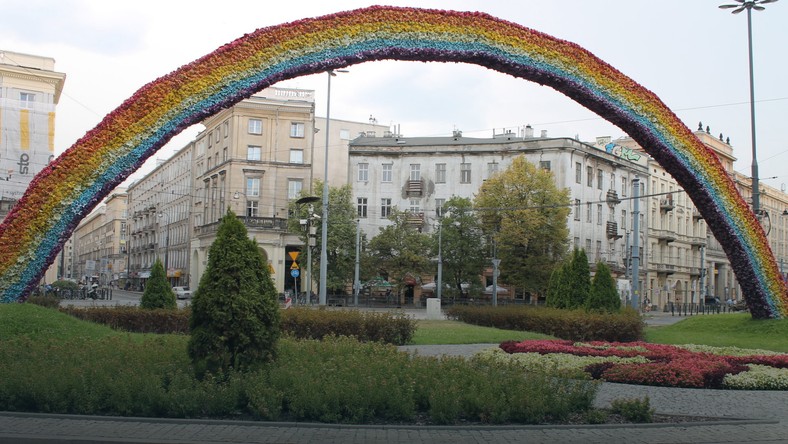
column 387, row 170
column 255, row 126
column 624, row 186
column 590, row 176
column 362, row 207
column 599, row 214
column 253, row 152
column 465, row 173
column 492, row 169
column 623, row 220
column 588, row 245
column 578, row 172
column 224, row 154
column 599, row 179
column 415, row 171
column 209, row 163
column 252, row 207
column 363, row 172
column 577, row 209
column 27, row 100
column 612, row 181
column 217, row 133
column 439, row 203
column 385, row 207
column 297, row 129
column 440, row 173
column 296, row 156
column 226, row 128
column 294, row 188
column 544, row 164
column 588, row 212
column 414, row 206
column 576, row 242
column 252, row 187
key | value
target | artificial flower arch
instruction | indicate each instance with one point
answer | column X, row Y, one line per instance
column 65, row 191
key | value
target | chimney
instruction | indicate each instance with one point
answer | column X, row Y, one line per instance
column 529, row 131
column 544, row 133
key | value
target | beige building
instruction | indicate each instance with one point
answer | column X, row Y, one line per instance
column 100, row 243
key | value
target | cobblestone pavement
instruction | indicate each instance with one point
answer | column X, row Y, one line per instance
column 745, row 416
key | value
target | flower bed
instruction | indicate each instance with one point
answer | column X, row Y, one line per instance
column 650, row 364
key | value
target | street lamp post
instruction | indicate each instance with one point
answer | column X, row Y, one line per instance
column 324, row 225
column 166, row 245
column 749, row 5
column 307, row 223
column 439, row 289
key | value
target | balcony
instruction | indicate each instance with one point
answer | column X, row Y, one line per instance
column 666, row 204
column 696, row 242
column 414, row 188
column 696, row 215
column 416, row 219
column 612, row 198
column 252, row 223
column 665, row 236
column 694, row 271
column 666, row 269
column 612, row 231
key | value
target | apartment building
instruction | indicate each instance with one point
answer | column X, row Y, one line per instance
column 420, row 174
column 100, row 243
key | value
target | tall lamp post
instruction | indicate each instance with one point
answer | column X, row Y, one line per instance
column 324, row 225
column 307, row 223
column 166, row 245
column 740, row 6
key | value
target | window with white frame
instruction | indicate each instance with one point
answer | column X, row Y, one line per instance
column 297, row 129
column 27, row 100
column 624, row 186
column 386, row 173
column 415, row 206
column 623, row 220
column 589, row 214
column 254, row 152
column 578, row 172
column 440, row 173
column 613, row 181
column 255, row 126
column 415, row 171
column 577, row 209
column 363, row 172
column 217, row 134
column 492, row 169
column 599, row 214
column 252, row 208
column 226, row 128
column 361, row 207
column 296, row 155
column 294, row 188
column 439, row 203
column 385, row 207
column 252, row 186
column 465, row 173
column 590, row 176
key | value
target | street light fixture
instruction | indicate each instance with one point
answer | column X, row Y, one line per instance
column 324, row 226
column 740, row 6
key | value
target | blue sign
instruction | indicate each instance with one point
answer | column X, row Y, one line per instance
column 295, row 273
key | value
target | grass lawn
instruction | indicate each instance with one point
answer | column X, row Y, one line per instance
column 455, row 332
column 737, row 329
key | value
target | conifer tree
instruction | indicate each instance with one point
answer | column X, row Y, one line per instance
column 578, row 277
column 158, row 293
column 604, row 295
column 235, row 312
column 557, row 288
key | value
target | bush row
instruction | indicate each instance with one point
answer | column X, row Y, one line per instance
column 301, row 323
column 575, row 325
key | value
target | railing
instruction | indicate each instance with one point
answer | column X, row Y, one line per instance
column 258, row 223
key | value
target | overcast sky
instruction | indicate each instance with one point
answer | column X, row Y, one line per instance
column 692, row 54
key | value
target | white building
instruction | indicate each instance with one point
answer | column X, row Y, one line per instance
column 419, row 174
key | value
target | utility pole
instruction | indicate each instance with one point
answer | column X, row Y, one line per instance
column 356, row 282
column 635, row 245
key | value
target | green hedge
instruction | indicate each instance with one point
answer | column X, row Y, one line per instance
column 302, row 323
column 576, row 325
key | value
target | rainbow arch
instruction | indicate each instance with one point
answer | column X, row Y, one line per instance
column 65, row 191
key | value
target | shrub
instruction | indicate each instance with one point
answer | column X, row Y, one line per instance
column 604, row 295
column 235, row 313
column 576, row 325
column 635, row 410
column 134, row 319
column 48, row 300
column 307, row 323
column 158, row 293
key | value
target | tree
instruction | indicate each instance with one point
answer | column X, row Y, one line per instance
column 401, row 250
column 235, row 313
column 158, row 293
column 341, row 236
column 524, row 214
column 558, row 287
column 578, row 277
column 604, row 295
column 461, row 242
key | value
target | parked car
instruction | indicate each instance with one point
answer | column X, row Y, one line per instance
column 182, row 292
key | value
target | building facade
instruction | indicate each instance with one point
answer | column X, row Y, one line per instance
column 30, row 89
column 419, row 175
column 100, row 245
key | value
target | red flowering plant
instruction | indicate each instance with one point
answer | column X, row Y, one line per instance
column 667, row 365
